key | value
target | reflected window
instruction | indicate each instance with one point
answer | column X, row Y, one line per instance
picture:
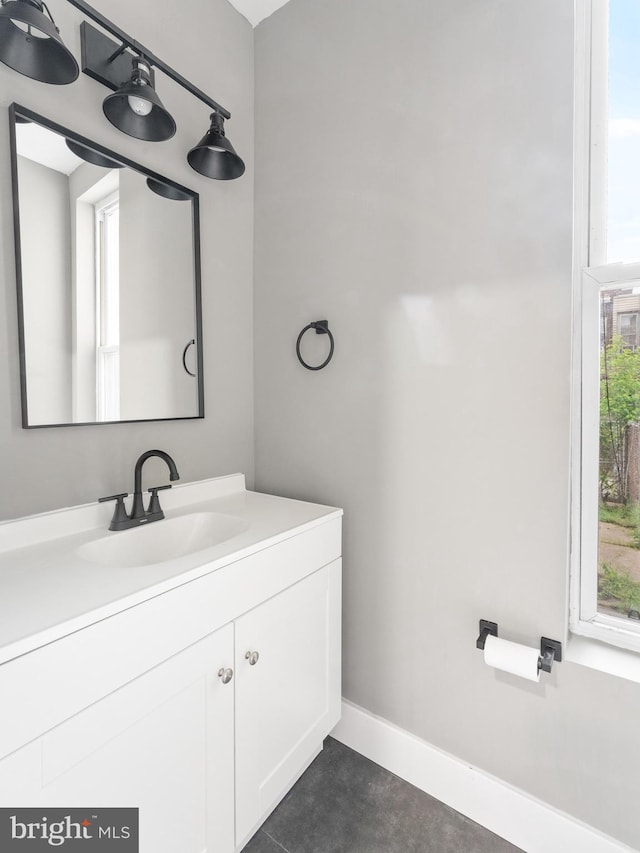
column 108, row 308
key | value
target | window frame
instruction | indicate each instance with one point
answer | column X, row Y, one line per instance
column 107, row 309
column 589, row 277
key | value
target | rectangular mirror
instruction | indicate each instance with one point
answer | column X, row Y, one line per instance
column 108, row 271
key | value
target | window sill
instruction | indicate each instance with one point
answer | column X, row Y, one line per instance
column 601, row 656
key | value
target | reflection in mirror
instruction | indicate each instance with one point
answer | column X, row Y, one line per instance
column 108, row 283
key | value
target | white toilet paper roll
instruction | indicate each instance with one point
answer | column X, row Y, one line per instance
column 512, row 657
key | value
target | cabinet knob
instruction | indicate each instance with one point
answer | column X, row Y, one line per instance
column 225, row 674
column 252, row 657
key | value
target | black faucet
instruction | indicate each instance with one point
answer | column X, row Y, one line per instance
column 121, row 520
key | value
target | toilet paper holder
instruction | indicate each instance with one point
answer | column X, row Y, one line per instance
column 550, row 650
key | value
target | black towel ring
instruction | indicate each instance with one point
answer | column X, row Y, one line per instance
column 184, row 357
column 322, row 328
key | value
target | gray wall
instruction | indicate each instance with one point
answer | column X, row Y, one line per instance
column 157, row 313
column 42, row 469
column 45, row 233
column 414, row 186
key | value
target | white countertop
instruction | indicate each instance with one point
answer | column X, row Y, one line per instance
column 47, row 591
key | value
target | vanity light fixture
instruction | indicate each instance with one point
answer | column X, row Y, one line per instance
column 137, row 110
column 125, row 66
column 214, row 156
column 91, row 156
column 167, row 190
column 30, row 43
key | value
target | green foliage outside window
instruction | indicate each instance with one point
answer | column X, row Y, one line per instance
column 619, row 408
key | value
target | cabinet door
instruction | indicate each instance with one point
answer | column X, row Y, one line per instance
column 20, row 775
column 288, row 700
column 162, row 743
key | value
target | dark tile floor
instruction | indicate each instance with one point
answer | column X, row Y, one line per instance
column 345, row 803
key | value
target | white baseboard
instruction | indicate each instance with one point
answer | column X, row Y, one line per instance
column 509, row 812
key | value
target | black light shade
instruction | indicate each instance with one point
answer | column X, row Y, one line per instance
column 137, row 110
column 92, row 156
column 167, row 191
column 214, row 156
column 30, row 43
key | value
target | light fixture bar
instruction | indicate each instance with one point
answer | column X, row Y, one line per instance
column 141, row 50
column 103, row 59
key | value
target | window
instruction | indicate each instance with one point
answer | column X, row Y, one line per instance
column 108, row 308
column 605, row 599
column 625, row 323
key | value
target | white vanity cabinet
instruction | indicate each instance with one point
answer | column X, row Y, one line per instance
column 201, row 706
column 162, row 743
column 287, row 691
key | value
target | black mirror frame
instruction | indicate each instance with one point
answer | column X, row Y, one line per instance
column 17, row 112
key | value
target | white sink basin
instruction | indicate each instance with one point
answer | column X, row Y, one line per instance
column 162, row 540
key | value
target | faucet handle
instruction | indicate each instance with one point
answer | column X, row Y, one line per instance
column 119, row 513
column 154, row 501
column 113, row 497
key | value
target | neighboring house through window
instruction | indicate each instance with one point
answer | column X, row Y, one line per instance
column 625, row 324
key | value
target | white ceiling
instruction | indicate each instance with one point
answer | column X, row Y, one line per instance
column 45, row 147
column 257, row 10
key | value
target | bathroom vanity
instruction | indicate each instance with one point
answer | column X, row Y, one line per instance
column 195, row 682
